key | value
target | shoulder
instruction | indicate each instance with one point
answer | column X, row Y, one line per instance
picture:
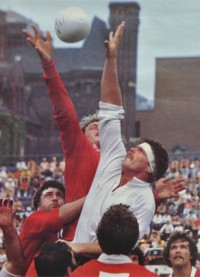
column 5, row 273
column 41, row 217
column 197, row 273
column 83, row 270
column 142, row 271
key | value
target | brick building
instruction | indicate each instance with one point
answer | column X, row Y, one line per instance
column 175, row 119
column 80, row 69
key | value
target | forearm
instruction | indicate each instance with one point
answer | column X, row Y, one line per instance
column 110, row 89
column 64, row 112
column 59, row 96
column 71, row 210
column 13, row 250
column 92, row 250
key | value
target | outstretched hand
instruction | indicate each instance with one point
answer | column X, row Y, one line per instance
column 165, row 189
column 42, row 46
column 6, row 215
column 113, row 43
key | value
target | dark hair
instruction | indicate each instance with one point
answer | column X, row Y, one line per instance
column 183, row 236
column 46, row 185
column 54, row 259
column 161, row 158
column 138, row 252
column 118, row 230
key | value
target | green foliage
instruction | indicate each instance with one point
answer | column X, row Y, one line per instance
column 13, row 133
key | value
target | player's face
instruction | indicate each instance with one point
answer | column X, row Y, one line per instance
column 92, row 133
column 51, row 198
column 136, row 162
column 179, row 254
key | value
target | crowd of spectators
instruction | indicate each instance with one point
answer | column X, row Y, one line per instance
column 183, row 213
column 21, row 181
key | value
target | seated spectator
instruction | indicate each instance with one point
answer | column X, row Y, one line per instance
column 157, row 221
column 156, row 241
column 62, row 165
column 21, row 165
column 10, row 187
column 53, row 164
column 3, row 173
column 144, row 244
column 166, row 230
column 162, row 209
column 34, row 168
column 44, row 165
column 166, row 217
column 24, row 182
column 58, row 174
column 172, row 209
column 117, row 234
column 179, row 227
column 174, row 165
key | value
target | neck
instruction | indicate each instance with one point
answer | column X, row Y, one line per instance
column 124, row 180
column 182, row 271
column 128, row 176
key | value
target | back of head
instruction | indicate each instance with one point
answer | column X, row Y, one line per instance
column 180, row 236
column 46, row 185
column 161, row 158
column 118, row 230
column 54, row 260
column 140, row 255
column 86, row 120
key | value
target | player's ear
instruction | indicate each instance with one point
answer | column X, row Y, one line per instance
column 148, row 169
column 69, row 271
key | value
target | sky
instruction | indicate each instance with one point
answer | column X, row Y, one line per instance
column 168, row 28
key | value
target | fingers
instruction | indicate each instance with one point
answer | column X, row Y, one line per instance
column 112, row 44
column 120, row 30
column 6, row 202
column 118, row 34
column 29, row 37
column 36, row 31
column 111, row 36
column 177, row 186
column 180, row 179
column 27, row 34
column 179, row 183
column 32, row 39
column 48, row 36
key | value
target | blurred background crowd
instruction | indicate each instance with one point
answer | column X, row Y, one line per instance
column 21, row 181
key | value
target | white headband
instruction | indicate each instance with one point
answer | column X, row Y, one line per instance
column 49, row 190
column 150, row 155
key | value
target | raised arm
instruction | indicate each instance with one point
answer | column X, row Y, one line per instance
column 12, row 243
column 69, row 211
column 63, row 109
column 110, row 90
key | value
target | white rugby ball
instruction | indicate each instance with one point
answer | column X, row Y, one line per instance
column 72, row 25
